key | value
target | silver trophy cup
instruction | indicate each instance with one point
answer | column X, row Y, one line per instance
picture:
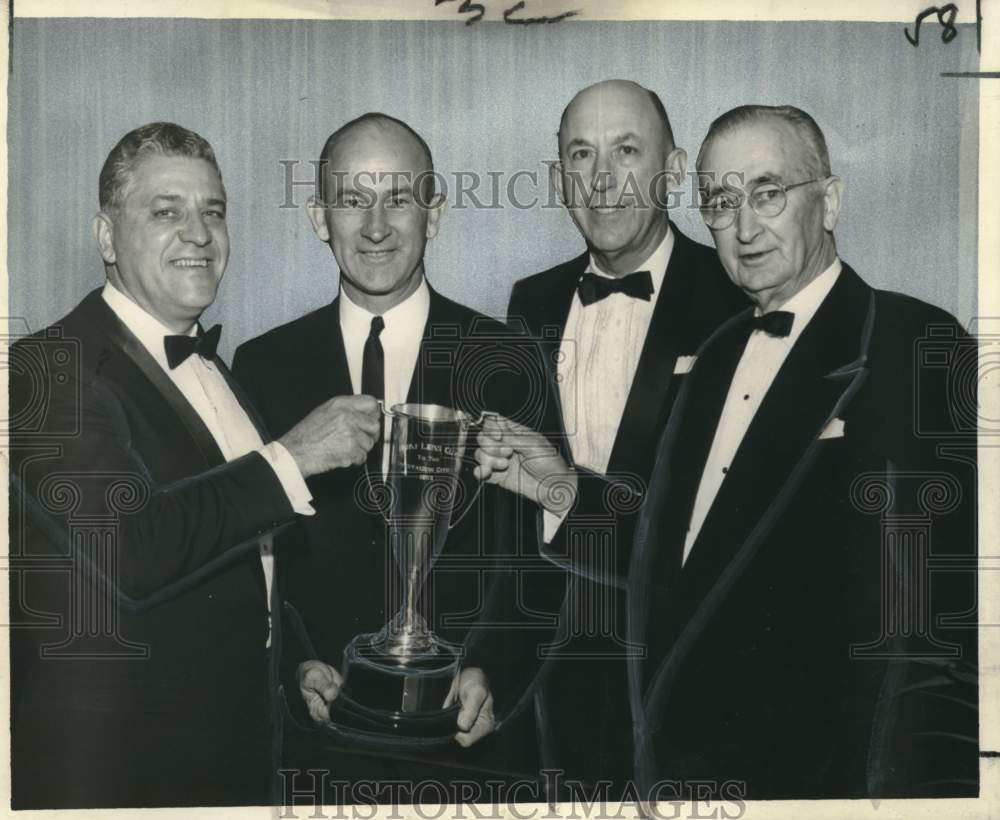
column 397, row 679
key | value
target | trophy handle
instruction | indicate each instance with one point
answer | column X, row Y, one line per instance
column 368, row 477
column 483, row 416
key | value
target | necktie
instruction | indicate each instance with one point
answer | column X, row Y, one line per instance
column 373, row 384
column 775, row 323
column 178, row 348
column 592, row 288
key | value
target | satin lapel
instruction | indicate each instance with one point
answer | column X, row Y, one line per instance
column 816, row 384
column 673, row 484
column 256, row 567
column 651, row 383
column 706, row 396
column 243, row 399
column 551, row 310
column 656, row 554
column 789, row 418
column 550, row 328
column 123, row 338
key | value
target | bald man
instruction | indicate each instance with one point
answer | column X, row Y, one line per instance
column 622, row 322
column 376, row 209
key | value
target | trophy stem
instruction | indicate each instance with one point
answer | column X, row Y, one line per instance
column 397, row 681
column 407, row 636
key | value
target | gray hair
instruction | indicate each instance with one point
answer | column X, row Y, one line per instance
column 153, row 139
column 798, row 119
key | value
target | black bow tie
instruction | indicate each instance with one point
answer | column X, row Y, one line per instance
column 775, row 323
column 178, row 348
column 592, row 288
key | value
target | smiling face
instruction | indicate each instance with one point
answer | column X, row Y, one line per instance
column 374, row 220
column 166, row 245
column 616, row 163
column 773, row 258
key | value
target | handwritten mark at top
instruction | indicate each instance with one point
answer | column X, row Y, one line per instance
column 946, row 17
column 508, row 16
column 478, row 10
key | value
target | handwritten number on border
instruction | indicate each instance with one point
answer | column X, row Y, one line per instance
column 947, row 35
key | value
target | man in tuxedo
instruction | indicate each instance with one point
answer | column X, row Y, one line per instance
column 804, row 565
column 391, row 336
column 620, row 323
column 143, row 500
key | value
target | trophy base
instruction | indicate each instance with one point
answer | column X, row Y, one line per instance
column 397, row 695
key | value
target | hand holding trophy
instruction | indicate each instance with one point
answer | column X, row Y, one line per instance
column 397, row 681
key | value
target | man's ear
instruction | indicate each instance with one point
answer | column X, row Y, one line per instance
column 103, row 228
column 435, row 211
column 676, row 167
column 316, row 211
column 832, row 198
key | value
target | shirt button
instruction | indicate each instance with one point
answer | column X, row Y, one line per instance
column 725, row 470
column 746, row 396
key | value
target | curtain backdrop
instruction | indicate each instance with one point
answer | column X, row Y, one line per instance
column 487, row 98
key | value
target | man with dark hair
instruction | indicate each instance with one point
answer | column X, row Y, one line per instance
column 388, row 335
column 622, row 322
column 804, row 565
column 144, row 498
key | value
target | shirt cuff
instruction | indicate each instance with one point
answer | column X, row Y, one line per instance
column 288, row 474
column 551, row 522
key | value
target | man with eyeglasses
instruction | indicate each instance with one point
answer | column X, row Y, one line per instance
column 798, row 645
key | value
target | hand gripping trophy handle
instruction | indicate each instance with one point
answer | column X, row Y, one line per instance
column 478, row 423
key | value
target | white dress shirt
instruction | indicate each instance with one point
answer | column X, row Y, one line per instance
column 400, row 338
column 598, row 357
column 209, row 394
column 761, row 360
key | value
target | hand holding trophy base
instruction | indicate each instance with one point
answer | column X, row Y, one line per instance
column 399, row 695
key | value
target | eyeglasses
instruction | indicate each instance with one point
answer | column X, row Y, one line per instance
column 766, row 198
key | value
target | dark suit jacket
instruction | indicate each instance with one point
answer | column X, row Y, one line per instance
column 139, row 666
column 583, row 701
column 335, row 565
column 806, row 649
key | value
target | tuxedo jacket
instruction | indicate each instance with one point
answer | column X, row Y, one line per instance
column 586, row 673
column 139, row 668
column 820, row 639
column 335, row 565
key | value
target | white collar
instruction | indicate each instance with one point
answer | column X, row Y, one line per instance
column 806, row 302
column 655, row 263
column 356, row 321
column 149, row 330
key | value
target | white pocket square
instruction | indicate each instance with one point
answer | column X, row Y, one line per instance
column 684, row 364
column 835, row 429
